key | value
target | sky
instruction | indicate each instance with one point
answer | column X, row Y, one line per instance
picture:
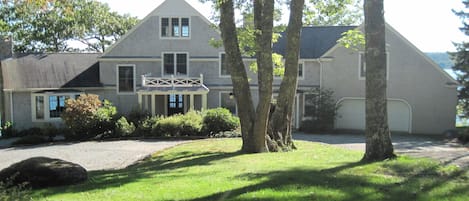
column 428, row 24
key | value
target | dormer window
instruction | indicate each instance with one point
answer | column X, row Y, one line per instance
column 175, row 27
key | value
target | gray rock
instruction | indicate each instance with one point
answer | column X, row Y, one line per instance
column 39, row 172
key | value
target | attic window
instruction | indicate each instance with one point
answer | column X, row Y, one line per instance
column 362, row 66
column 175, row 27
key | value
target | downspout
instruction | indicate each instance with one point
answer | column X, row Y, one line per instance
column 320, row 73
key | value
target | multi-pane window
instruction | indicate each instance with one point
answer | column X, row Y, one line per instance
column 50, row 106
column 227, row 101
column 300, row 70
column 223, row 65
column 175, row 63
column 278, row 71
column 176, row 101
column 56, row 105
column 175, row 27
column 126, row 79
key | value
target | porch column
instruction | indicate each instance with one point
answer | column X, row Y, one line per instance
column 191, row 102
column 204, row 101
column 153, row 104
column 140, row 101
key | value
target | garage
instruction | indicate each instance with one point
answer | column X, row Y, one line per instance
column 351, row 115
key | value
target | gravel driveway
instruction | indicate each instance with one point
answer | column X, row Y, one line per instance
column 90, row 155
column 444, row 151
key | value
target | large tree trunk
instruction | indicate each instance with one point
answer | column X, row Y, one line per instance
column 280, row 132
column 378, row 139
column 238, row 73
column 263, row 23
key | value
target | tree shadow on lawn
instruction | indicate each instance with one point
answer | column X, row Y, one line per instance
column 104, row 179
column 331, row 184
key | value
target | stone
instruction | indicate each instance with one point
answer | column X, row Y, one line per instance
column 39, row 172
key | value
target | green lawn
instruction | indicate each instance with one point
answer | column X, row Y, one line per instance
column 214, row 170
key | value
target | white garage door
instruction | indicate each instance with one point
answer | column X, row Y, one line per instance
column 351, row 115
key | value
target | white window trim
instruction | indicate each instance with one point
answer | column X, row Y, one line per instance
column 180, row 22
column 46, row 108
column 220, row 64
column 359, row 65
column 299, row 78
column 220, row 97
column 175, row 64
column 302, row 77
column 117, row 79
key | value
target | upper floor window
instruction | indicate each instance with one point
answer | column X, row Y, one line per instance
column 362, row 65
column 278, row 75
column 175, row 63
column 175, row 27
column 126, row 78
column 223, row 65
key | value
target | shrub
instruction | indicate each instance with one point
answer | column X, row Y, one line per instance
column 8, row 130
column 9, row 192
column 218, row 120
column 170, row 126
column 191, row 124
column 124, row 128
column 31, row 140
column 88, row 117
column 322, row 112
column 148, row 127
column 137, row 115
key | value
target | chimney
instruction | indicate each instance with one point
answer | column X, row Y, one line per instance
column 6, row 48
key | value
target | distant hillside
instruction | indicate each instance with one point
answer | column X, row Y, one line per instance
column 441, row 58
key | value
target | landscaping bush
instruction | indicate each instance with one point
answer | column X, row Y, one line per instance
column 14, row 193
column 124, row 128
column 31, row 140
column 8, row 131
column 148, row 127
column 191, row 124
column 322, row 111
column 88, row 117
column 137, row 115
column 218, row 120
column 170, row 126
column 30, row 131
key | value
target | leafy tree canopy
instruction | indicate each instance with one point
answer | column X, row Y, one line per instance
column 50, row 25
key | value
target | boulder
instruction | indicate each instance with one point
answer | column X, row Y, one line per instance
column 39, row 172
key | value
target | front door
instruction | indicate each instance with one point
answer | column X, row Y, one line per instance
column 175, row 104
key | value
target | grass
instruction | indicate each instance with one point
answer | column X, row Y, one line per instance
column 215, row 170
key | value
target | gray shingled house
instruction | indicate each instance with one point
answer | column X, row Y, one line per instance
column 165, row 65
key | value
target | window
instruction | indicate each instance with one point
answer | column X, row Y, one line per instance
column 362, row 65
column 176, row 101
column 228, row 101
column 175, row 64
column 126, row 78
column 300, row 70
column 49, row 106
column 223, row 65
column 277, row 71
column 39, row 100
column 175, row 27
column 56, row 105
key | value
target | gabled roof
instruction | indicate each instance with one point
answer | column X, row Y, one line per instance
column 51, row 71
column 315, row 41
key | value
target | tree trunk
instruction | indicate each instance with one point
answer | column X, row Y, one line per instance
column 280, row 132
column 239, row 78
column 378, row 139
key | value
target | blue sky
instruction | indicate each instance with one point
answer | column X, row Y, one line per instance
column 428, row 24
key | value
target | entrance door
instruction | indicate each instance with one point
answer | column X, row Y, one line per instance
column 175, row 104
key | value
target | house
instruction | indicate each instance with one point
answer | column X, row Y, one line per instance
column 165, row 65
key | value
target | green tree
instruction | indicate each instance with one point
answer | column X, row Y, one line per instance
column 461, row 64
column 333, row 12
column 378, row 139
column 104, row 27
column 50, row 25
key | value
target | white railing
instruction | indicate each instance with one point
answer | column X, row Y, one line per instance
column 148, row 81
